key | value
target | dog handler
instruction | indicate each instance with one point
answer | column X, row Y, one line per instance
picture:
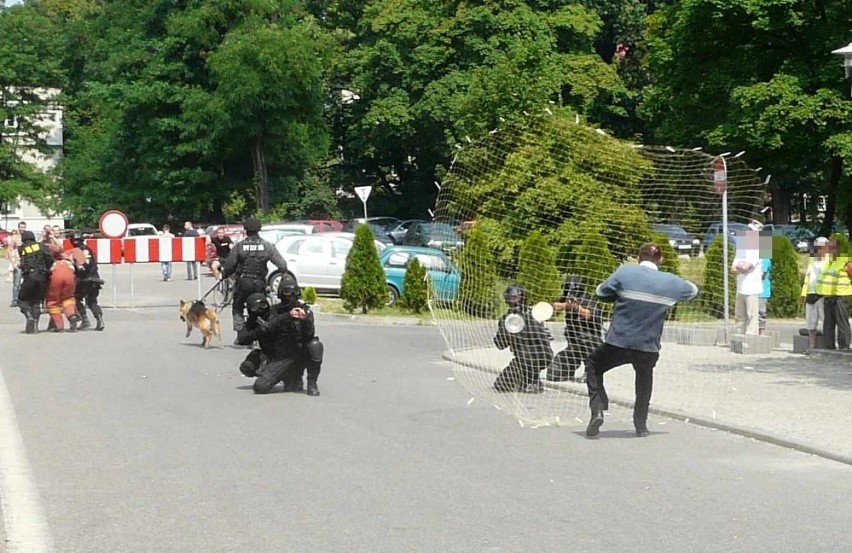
column 248, row 261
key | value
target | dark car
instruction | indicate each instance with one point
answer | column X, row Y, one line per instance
column 801, row 237
column 397, row 233
column 715, row 229
column 433, row 235
column 379, row 231
column 683, row 242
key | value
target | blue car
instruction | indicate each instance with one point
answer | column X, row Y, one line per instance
column 443, row 274
column 715, row 229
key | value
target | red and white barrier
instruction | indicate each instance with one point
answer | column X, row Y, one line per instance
column 152, row 250
column 107, row 251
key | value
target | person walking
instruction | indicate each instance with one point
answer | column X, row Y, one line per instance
column 166, row 266
column 191, row 266
column 814, row 303
column 643, row 296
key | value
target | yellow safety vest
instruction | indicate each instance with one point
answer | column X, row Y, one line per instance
column 833, row 279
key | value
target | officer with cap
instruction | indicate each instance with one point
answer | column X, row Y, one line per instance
column 89, row 283
column 310, row 347
column 530, row 345
column 248, row 261
column 280, row 335
column 36, row 262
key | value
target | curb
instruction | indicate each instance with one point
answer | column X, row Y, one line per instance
column 376, row 319
column 685, row 417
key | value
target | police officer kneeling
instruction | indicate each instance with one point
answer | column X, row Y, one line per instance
column 310, row 348
column 281, row 335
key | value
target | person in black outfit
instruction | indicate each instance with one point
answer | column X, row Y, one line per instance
column 279, row 335
column 530, row 347
column 310, row 349
column 223, row 245
column 583, row 329
column 36, row 262
column 248, row 262
column 89, row 285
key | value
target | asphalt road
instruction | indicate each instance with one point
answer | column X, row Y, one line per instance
column 138, row 440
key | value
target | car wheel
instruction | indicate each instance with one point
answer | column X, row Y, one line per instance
column 274, row 280
column 393, row 296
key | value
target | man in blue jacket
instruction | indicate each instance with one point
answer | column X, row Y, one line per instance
column 643, row 296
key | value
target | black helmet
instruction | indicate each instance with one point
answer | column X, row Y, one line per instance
column 252, row 225
column 574, row 287
column 515, row 295
column 288, row 289
column 28, row 236
column 257, row 303
column 77, row 240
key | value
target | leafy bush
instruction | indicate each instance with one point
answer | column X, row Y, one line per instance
column 785, row 279
column 712, row 296
column 477, row 290
column 363, row 282
column 670, row 264
column 416, row 286
column 309, row 295
column 537, row 270
column 593, row 260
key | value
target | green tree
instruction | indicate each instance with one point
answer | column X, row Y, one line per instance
column 363, row 283
column 712, row 294
column 310, row 295
column 786, row 280
column 416, row 286
column 478, row 288
column 537, row 271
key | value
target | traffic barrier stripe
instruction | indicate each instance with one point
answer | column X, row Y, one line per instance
column 107, row 251
column 145, row 250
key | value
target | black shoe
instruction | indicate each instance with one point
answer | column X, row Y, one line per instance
column 312, row 389
column 295, row 386
column 100, row 325
column 595, row 424
column 642, row 433
column 31, row 326
column 73, row 321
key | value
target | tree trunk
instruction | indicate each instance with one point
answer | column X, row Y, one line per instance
column 258, row 159
column 780, row 204
column 831, row 195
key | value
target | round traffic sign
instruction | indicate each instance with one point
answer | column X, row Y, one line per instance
column 113, row 223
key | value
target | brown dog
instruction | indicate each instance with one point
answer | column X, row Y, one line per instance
column 195, row 314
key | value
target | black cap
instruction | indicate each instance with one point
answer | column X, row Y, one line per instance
column 252, row 224
column 28, row 236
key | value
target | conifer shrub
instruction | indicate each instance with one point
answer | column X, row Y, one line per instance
column 537, row 271
column 478, row 294
column 310, row 295
column 711, row 298
column 415, row 286
column 363, row 283
column 785, row 279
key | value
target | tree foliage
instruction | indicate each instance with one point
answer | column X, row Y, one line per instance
column 478, row 295
column 416, row 286
column 712, row 295
column 786, row 280
column 537, row 271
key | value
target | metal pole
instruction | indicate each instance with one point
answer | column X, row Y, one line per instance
column 114, row 292
column 725, row 269
column 198, row 277
column 131, row 285
column 365, row 209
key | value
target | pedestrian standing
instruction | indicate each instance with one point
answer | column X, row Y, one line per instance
column 749, row 271
column 166, row 266
column 191, row 266
column 643, row 296
column 835, row 285
column 815, row 303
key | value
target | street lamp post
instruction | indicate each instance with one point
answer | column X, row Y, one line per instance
column 846, row 52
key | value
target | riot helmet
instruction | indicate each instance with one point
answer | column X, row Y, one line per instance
column 288, row 290
column 77, row 240
column 252, row 226
column 27, row 236
column 515, row 296
column 257, row 304
column 574, row 288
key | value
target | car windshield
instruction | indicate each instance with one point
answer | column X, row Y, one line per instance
column 670, row 229
column 141, row 231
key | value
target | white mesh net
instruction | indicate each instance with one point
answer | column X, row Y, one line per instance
column 554, row 207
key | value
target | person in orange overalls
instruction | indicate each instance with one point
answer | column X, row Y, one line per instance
column 60, row 293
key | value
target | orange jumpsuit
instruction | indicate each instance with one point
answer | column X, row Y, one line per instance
column 60, row 293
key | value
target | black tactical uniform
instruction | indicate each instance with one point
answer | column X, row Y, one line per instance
column 530, row 347
column 248, row 261
column 583, row 329
column 36, row 262
column 310, row 349
column 280, row 337
column 89, row 285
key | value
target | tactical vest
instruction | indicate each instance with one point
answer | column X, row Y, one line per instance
column 33, row 259
column 254, row 257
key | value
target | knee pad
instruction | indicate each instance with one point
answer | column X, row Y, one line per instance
column 263, row 385
column 315, row 350
column 248, row 369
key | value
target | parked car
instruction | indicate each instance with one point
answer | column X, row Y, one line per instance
column 4, row 237
column 316, row 260
column 273, row 232
column 141, row 230
column 433, row 235
column 801, row 237
column 379, row 231
column 397, row 232
column 324, row 225
column 379, row 221
column 444, row 276
column 682, row 241
column 715, row 229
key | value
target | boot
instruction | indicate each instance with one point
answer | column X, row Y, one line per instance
column 100, row 319
column 31, row 323
column 85, row 324
column 51, row 326
column 73, row 320
column 312, row 389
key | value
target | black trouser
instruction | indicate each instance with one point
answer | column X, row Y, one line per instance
column 243, row 288
column 606, row 357
column 567, row 361
column 268, row 373
column 310, row 359
column 32, row 293
column 519, row 373
column 837, row 319
column 86, row 294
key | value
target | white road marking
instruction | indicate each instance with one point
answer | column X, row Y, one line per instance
column 23, row 516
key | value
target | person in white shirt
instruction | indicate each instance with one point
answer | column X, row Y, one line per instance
column 814, row 304
column 749, row 270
